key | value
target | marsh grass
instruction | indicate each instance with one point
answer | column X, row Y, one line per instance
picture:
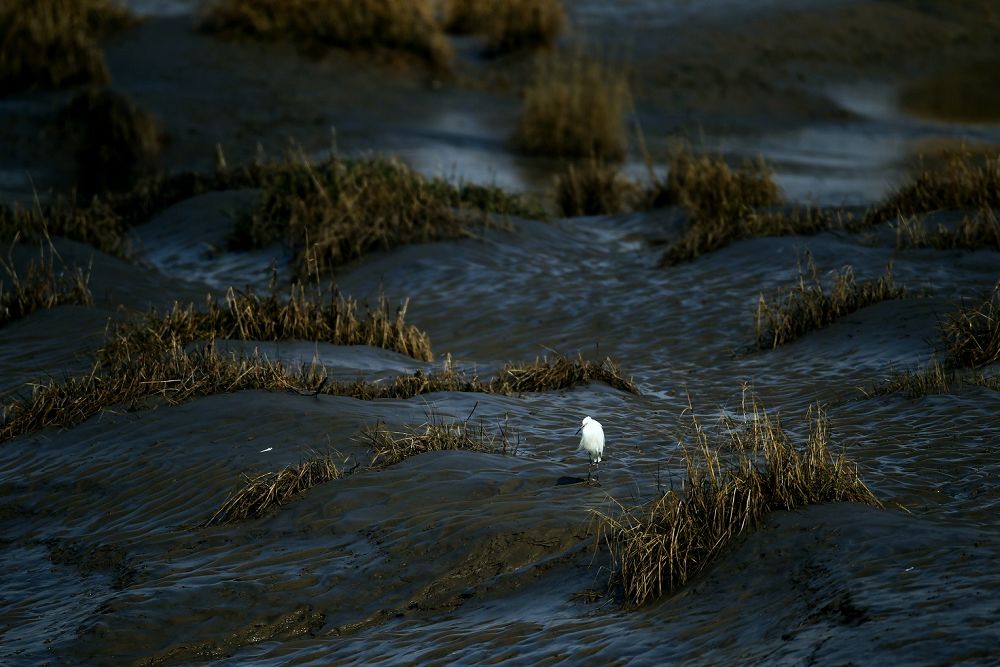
column 936, row 378
column 261, row 494
column 507, row 25
column 328, row 212
column 980, row 231
column 391, row 447
column 592, row 187
column 574, row 107
column 53, row 43
column 40, row 287
column 808, row 306
column 338, row 210
column 115, row 141
column 725, row 205
column 751, row 467
column 135, row 379
column 134, row 374
column 560, row 372
column 303, row 314
column 374, row 26
column 971, row 334
column 965, row 182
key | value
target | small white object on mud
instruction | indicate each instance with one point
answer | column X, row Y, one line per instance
column 592, row 442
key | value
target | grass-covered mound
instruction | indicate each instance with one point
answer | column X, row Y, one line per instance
column 114, row 141
column 752, row 468
column 391, row 447
column 402, row 26
column 574, row 107
column 725, row 205
column 507, row 25
column 338, row 210
column 972, row 333
column 342, row 207
column 975, row 231
column 41, row 286
column 304, row 314
column 261, row 494
column 936, row 378
column 139, row 372
column 52, row 43
column 964, row 182
column 808, row 306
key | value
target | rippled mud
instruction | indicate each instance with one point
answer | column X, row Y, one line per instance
column 463, row 557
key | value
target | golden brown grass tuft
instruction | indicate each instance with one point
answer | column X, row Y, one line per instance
column 972, row 333
column 115, row 141
column 305, row 314
column 964, row 183
column 40, row 287
column 980, row 231
column 135, row 377
column 261, row 494
column 752, row 469
column 52, row 43
column 339, row 210
column 404, row 26
column 507, row 25
column 808, row 307
column 390, row 447
column 574, row 107
column 936, row 378
column 559, row 372
column 722, row 204
column 592, row 187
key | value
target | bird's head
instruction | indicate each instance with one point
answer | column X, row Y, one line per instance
column 586, row 420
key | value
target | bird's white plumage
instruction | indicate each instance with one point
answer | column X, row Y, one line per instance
column 592, row 439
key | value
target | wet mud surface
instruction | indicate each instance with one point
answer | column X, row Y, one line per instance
column 470, row 558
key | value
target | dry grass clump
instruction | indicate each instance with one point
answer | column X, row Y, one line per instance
column 934, row 379
column 52, row 43
column 41, row 287
column 302, row 315
column 135, row 377
column 132, row 371
column 339, row 210
column 591, row 187
column 751, row 469
column 964, row 183
column 115, row 141
column 808, row 307
column 507, row 25
column 405, row 26
column 722, row 204
column 389, row 447
column 975, row 232
column 574, row 107
column 559, row 372
column 972, row 334
column 262, row 493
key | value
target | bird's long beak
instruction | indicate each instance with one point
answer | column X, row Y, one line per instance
column 578, row 430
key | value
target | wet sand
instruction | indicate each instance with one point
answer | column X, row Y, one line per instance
column 463, row 557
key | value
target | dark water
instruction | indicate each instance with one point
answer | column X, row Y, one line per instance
column 460, row 557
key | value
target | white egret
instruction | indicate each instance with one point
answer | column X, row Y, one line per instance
column 592, row 442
